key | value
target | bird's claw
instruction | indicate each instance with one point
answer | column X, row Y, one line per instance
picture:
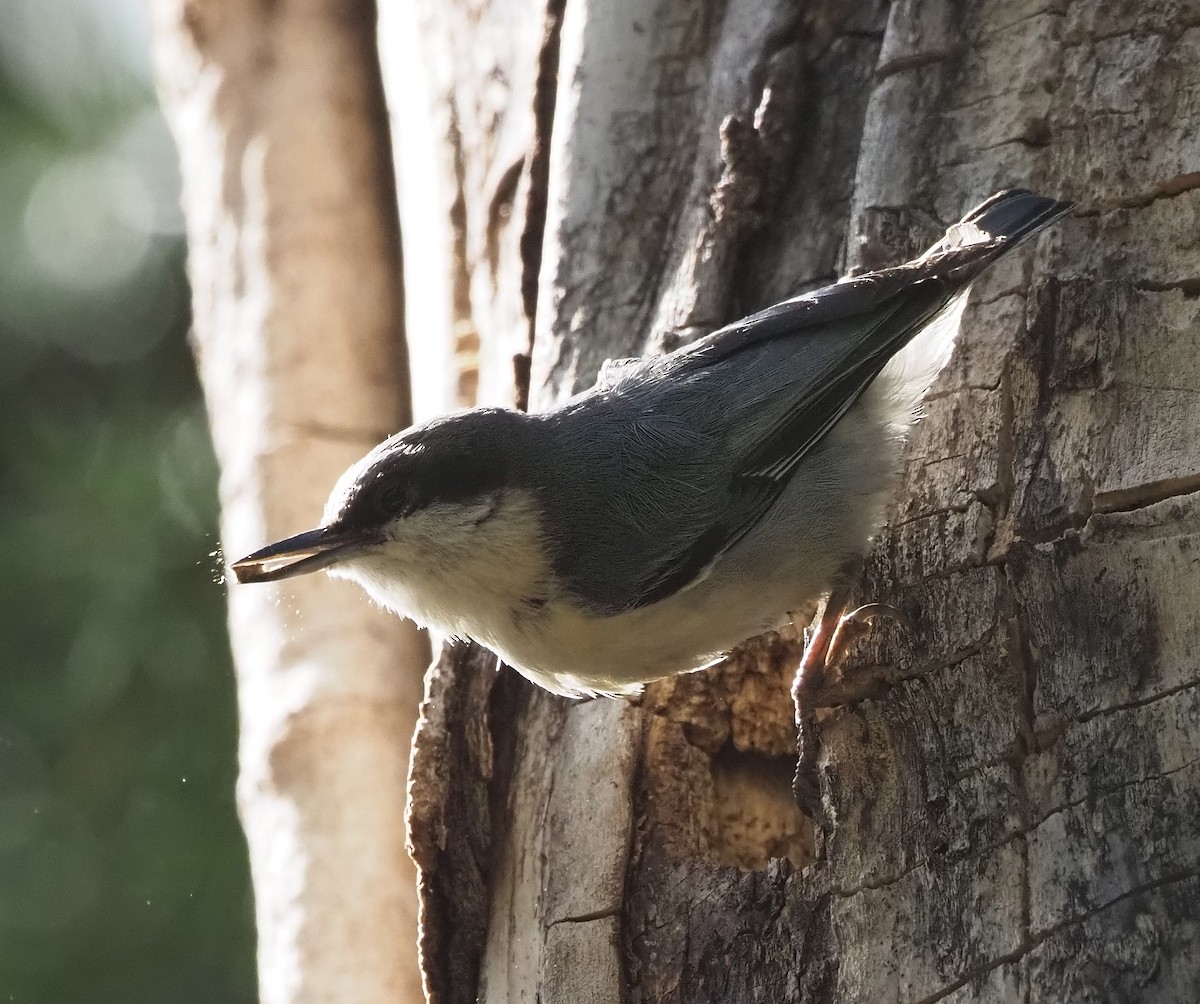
column 855, row 624
column 833, row 633
column 824, row 649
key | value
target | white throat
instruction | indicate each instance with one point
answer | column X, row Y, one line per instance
column 463, row 570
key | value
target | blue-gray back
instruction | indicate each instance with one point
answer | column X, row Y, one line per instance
column 670, row 461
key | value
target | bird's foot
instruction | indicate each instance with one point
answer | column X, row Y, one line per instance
column 834, row 631
column 856, row 623
column 825, row 648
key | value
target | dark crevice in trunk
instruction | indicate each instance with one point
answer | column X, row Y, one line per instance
column 545, row 96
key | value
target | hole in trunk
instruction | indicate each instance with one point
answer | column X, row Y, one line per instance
column 756, row 814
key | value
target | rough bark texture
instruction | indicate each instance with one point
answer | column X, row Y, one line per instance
column 278, row 113
column 471, row 87
column 1009, row 791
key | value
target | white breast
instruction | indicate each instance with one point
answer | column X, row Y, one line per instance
column 455, row 567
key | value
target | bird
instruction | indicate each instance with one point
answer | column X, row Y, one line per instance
column 685, row 503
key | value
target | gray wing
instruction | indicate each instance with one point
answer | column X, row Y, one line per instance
column 682, row 457
column 845, row 359
column 811, row 358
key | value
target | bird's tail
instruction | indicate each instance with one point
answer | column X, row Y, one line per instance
column 990, row 230
column 1004, row 220
column 1017, row 214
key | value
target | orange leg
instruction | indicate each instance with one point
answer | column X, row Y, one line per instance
column 834, row 631
column 826, row 646
column 856, row 623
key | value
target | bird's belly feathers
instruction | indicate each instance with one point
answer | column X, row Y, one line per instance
column 570, row 651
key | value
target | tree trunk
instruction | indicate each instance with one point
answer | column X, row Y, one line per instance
column 1009, row 799
column 277, row 109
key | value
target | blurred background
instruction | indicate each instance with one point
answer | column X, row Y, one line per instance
column 123, row 873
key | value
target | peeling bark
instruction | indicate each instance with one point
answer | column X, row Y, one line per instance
column 294, row 260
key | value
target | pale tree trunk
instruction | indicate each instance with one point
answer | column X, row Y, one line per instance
column 1009, row 800
column 278, row 113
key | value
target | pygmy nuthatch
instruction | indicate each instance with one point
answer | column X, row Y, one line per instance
column 682, row 505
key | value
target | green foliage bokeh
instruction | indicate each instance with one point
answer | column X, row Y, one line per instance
column 123, row 873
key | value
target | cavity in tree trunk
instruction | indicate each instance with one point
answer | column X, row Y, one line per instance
column 1009, row 798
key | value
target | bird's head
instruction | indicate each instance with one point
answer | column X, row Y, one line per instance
column 416, row 508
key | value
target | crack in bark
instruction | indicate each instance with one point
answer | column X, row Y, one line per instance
column 504, row 193
column 1070, row 524
column 842, row 695
column 757, row 144
column 1176, row 30
column 1189, row 287
column 1052, row 11
column 1157, row 388
column 1170, row 188
column 914, row 61
column 1026, row 910
column 604, row 913
column 1146, row 494
column 1111, row 790
column 957, row 509
column 1140, row 702
column 1021, row 653
column 1035, row 135
column 1019, row 834
column 1182, row 875
column 1045, row 935
column 545, row 96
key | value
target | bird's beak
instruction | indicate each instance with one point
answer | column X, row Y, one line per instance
column 305, row 552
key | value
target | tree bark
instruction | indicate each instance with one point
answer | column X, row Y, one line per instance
column 278, row 112
column 1010, row 807
column 470, row 88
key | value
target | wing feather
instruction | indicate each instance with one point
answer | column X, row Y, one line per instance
column 855, row 327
